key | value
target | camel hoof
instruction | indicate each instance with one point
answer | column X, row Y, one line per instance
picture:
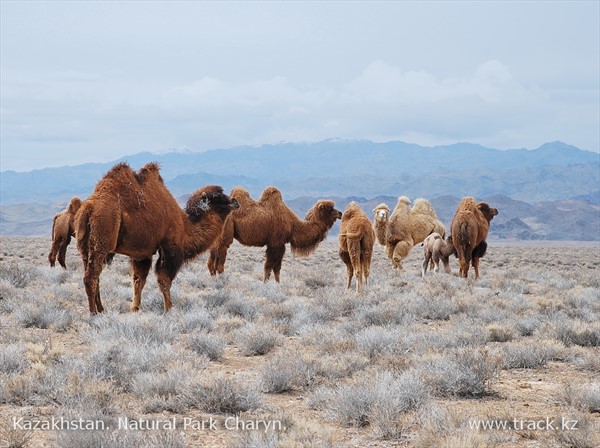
column 134, row 309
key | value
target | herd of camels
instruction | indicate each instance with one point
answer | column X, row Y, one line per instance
column 134, row 214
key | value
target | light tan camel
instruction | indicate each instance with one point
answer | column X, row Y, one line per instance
column 408, row 227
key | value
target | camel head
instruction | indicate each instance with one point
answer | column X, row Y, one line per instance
column 325, row 212
column 488, row 212
column 382, row 212
column 210, row 198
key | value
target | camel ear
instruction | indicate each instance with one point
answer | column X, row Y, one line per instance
column 321, row 206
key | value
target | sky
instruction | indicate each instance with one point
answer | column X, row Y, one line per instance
column 94, row 81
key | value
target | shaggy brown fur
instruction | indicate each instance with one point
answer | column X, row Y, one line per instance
column 470, row 227
column 435, row 248
column 408, row 227
column 135, row 215
column 62, row 231
column 356, row 241
column 269, row 222
column 380, row 222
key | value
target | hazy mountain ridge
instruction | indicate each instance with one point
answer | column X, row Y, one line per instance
column 342, row 170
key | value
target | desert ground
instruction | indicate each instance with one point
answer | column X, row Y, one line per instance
column 509, row 360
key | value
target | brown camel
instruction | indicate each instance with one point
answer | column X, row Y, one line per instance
column 135, row 215
column 62, row 231
column 469, row 229
column 269, row 222
column 356, row 241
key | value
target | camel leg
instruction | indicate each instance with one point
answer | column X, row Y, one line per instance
column 475, row 263
column 62, row 253
column 446, row 261
column 169, row 261
column 354, row 253
column 273, row 261
column 216, row 260
column 91, row 279
column 436, row 262
column 139, row 273
column 349, row 270
column 54, row 250
column 211, row 263
column 366, row 263
column 164, row 283
column 401, row 251
column 425, row 264
column 218, row 253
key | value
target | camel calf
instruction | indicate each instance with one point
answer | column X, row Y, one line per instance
column 436, row 249
column 356, row 241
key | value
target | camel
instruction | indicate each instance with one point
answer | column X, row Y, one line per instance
column 356, row 241
column 134, row 214
column 380, row 222
column 469, row 229
column 62, row 231
column 408, row 227
column 269, row 222
column 435, row 248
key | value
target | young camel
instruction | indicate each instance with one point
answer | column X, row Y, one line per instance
column 436, row 249
column 356, row 241
column 135, row 215
column 269, row 222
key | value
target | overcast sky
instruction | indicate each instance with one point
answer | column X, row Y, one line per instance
column 94, row 81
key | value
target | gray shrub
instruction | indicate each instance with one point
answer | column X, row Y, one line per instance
column 209, row 344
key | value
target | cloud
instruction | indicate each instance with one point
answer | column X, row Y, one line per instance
column 80, row 113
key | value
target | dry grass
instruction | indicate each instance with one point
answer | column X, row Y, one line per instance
column 409, row 362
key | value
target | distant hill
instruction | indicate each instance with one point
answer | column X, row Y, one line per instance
column 530, row 185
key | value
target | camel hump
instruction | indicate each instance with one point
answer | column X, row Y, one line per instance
column 424, row 207
column 149, row 171
column 239, row 192
column 119, row 169
column 74, row 205
column 271, row 194
column 403, row 203
column 467, row 203
column 352, row 210
column 404, row 200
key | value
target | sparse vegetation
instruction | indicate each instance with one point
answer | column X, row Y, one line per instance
column 409, row 362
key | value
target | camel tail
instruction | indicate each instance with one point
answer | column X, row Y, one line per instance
column 464, row 243
column 82, row 228
column 54, row 225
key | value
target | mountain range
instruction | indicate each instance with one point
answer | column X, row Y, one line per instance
column 552, row 192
